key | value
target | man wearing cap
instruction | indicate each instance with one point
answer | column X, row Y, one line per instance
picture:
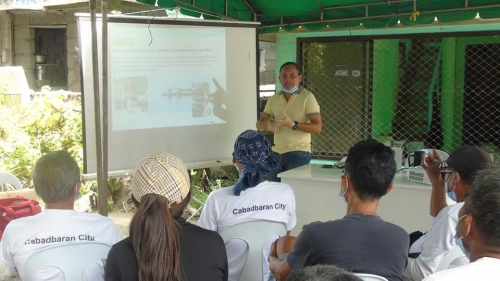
column 478, row 232
column 252, row 198
column 292, row 115
column 56, row 178
column 454, row 180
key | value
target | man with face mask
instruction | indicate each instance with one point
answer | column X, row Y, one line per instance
column 360, row 242
column 452, row 178
column 478, row 232
column 292, row 115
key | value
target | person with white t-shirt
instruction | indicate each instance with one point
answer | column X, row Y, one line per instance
column 453, row 177
column 252, row 198
column 56, row 178
column 478, row 232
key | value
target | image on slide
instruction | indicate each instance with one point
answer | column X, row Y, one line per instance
column 157, row 101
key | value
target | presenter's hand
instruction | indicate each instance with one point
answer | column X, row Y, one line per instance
column 217, row 98
column 286, row 122
column 431, row 167
column 273, row 126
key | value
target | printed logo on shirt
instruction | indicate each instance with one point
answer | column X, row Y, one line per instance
column 56, row 239
column 254, row 208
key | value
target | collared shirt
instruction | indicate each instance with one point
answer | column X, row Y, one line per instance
column 299, row 107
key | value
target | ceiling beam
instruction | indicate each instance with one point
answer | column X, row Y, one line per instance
column 204, row 11
column 388, row 15
column 252, row 10
column 368, row 4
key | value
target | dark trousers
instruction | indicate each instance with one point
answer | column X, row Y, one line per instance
column 289, row 160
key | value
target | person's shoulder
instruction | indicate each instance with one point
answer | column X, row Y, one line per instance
column 222, row 192
column 202, row 234
column 277, row 185
column 450, row 211
column 395, row 230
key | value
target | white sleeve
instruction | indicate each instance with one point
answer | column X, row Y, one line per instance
column 208, row 217
column 5, row 255
column 440, row 239
column 292, row 219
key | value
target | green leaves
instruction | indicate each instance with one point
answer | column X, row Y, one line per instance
column 49, row 122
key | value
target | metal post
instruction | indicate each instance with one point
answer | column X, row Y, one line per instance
column 103, row 203
column 102, row 189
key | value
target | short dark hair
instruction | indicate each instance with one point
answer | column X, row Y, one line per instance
column 371, row 168
column 483, row 203
column 55, row 176
column 322, row 273
column 297, row 66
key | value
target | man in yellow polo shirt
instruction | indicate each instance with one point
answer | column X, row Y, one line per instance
column 292, row 115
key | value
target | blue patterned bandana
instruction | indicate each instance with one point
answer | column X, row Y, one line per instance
column 253, row 150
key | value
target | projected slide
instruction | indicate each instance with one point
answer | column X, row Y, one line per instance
column 167, row 78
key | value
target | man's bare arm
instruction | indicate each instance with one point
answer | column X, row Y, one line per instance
column 280, row 269
column 438, row 193
column 314, row 127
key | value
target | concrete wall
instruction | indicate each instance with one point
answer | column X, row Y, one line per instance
column 24, row 37
column 5, row 39
column 268, row 76
column 24, row 41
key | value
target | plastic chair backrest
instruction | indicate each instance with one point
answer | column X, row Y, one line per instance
column 255, row 234
column 71, row 259
column 449, row 257
column 370, row 277
column 9, row 178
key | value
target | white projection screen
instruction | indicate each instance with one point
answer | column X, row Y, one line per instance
column 187, row 87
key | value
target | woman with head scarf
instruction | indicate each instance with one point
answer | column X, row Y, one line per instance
column 161, row 245
column 252, row 198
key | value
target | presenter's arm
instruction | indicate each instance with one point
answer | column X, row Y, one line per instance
column 314, row 126
column 438, row 193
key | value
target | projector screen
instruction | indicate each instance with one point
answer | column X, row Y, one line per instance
column 187, row 87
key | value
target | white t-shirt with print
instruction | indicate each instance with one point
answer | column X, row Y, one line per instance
column 25, row 236
column 271, row 201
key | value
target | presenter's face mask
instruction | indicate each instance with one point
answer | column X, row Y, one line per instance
column 459, row 239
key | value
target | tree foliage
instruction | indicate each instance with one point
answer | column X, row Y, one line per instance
column 49, row 122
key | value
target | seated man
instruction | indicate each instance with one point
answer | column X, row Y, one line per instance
column 56, row 178
column 360, row 242
column 478, row 232
column 251, row 198
column 462, row 165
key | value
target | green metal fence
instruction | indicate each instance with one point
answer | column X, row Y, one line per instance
column 424, row 90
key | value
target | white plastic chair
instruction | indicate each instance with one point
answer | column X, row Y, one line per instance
column 449, row 257
column 71, row 259
column 9, row 178
column 255, row 234
column 370, row 277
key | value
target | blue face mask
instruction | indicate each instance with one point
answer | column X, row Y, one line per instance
column 451, row 194
column 458, row 240
column 342, row 193
column 462, row 247
column 292, row 90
